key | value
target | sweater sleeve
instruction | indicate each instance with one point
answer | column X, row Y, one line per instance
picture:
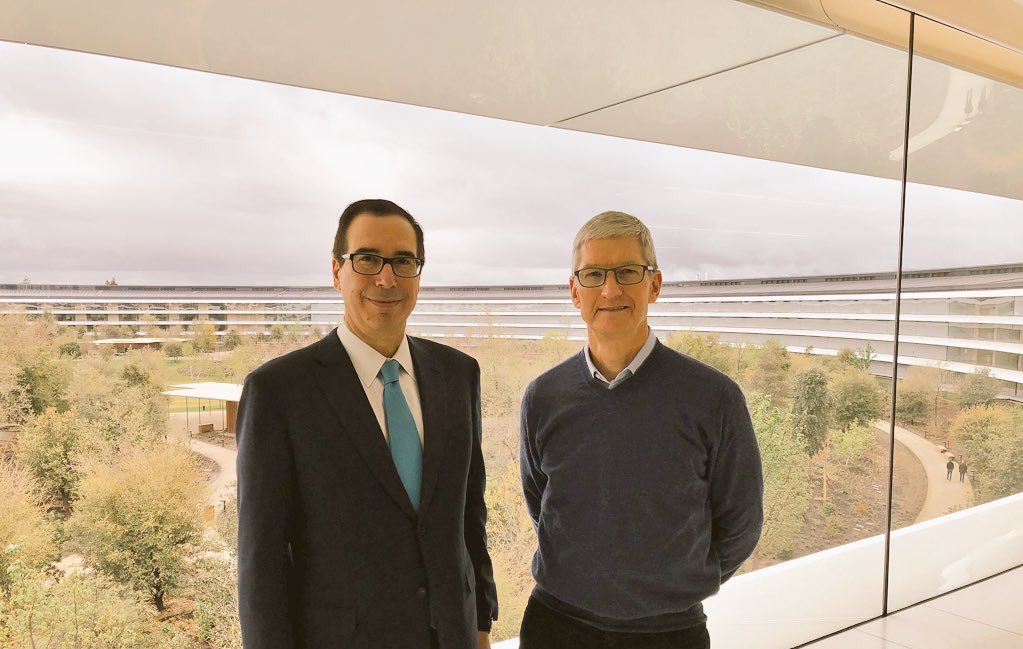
column 736, row 485
column 533, row 479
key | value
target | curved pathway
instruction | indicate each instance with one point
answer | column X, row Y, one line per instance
column 227, row 475
column 942, row 494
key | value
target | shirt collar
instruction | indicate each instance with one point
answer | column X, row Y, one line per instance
column 632, row 367
column 368, row 361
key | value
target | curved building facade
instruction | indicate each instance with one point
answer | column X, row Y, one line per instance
column 960, row 319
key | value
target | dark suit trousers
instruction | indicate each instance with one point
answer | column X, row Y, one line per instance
column 544, row 628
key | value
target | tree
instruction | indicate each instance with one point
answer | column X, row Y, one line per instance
column 708, row 349
column 242, row 360
column 135, row 416
column 501, row 383
column 511, row 541
column 25, row 534
column 15, row 406
column 859, row 359
column 124, row 406
column 110, row 330
column 927, row 382
column 859, row 399
column 555, row 347
column 978, row 387
column 866, row 356
column 1001, row 472
column 133, row 375
column 850, row 444
column 173, row 350
column 78, row 610
column 45, row 380
column 51, row 449
column 846, row 356
column 770, row 371
column 276, row 332
column 971, row 429
column 811, row 410
column 205, row 338
column 149, row 324
column 786, row 479
column 911, row 406
column 232, row 340
column 216, row 601
column 70, row 349
column 137, row 517
column 296, row 332
column 991, row 440
column 216, row 584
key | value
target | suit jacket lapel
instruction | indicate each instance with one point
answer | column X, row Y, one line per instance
column 433, row 397
column 342, row 389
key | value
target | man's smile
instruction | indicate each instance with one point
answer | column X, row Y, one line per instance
column 384, row 302
column 383, row 298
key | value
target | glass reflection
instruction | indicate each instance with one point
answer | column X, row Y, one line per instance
column 962, row 410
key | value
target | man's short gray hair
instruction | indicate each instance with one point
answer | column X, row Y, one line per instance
column 607, row 225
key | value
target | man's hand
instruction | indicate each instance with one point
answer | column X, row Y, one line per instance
column 483, row 640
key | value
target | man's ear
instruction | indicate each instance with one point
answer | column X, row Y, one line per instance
column 655, row 286
column 574, row 290
column 335, row 270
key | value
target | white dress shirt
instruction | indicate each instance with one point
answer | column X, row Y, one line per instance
column 632, row 367
column 368, row 361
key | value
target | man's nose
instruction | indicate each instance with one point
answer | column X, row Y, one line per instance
column 386, row 277
column 611, row 287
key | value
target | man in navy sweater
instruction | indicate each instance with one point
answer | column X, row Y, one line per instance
column 640, row 467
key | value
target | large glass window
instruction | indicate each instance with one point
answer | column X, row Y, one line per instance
column 770, row 171
column 962, row 417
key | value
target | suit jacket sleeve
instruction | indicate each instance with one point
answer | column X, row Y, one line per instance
column 476, row 516
column 265, row 479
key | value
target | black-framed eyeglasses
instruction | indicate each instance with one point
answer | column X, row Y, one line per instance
column 365, row 263
column 624, row 275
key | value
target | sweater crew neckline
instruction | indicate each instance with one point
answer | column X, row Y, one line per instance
column 634, row 381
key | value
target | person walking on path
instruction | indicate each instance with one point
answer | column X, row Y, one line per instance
column 951, row 467
column 962, row 472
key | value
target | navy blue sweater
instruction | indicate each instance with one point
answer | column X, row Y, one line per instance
column 646, row 497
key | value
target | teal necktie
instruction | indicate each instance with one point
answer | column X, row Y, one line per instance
column 401, row 431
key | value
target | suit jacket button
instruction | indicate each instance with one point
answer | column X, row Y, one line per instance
column 421, row 592
column 421, row 532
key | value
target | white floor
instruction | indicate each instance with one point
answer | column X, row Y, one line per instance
column 988, row 615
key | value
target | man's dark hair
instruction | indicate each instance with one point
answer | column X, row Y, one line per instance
column 373, row 207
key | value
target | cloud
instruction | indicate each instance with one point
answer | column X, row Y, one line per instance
column 161, row 175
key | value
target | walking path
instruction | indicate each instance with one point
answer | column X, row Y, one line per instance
column 227, row 475
column 942, row 494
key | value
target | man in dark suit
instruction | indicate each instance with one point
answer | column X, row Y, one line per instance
column 360, row 475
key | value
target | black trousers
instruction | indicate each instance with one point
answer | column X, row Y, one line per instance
column 544, row 628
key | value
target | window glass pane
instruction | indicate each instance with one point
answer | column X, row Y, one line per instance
column 774, row 214
column 958, row 398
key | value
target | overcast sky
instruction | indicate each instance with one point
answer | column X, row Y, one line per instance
column 154, row 175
